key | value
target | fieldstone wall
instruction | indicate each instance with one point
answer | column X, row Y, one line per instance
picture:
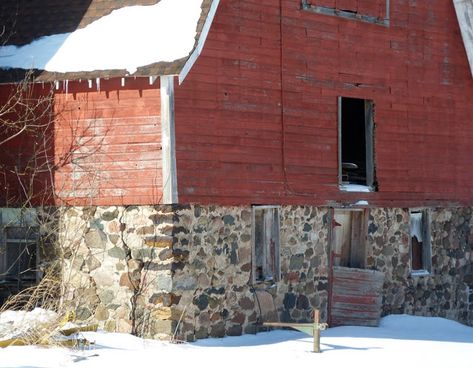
column 445, row 291
column 186, row 270
column 214, row 286
column 118, row 266
column 148, row 270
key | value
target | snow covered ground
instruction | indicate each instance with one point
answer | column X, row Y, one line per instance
column 400, row 341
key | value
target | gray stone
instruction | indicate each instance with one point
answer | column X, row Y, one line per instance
column 110, row 215
column 106, row 296
column 302, row 302
column 246, row 216
column 246, row 303
column 117, row 252
column 92, row 263
column 289, row 301
column 114, row 238
column 188, row 282
column 83, row 313
column 164, row 282
column 297, row 262
column 217, row 330
column 202, row 301
column 234, row 330
column 228, row 220
column 96, row 238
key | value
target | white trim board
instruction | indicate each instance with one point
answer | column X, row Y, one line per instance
column 168, row 140
column 201, row 42
column 464, row 10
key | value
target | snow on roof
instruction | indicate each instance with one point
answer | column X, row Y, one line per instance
column 464, row 10
column 127, row 38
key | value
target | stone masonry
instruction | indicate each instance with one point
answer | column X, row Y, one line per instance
column 185, row 271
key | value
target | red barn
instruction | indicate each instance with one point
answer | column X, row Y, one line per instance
column 213, row 164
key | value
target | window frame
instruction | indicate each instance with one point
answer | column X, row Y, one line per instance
column 369, row 148
column 356, row 255
column 31, row 238
column 277, row 271
column 426, row 257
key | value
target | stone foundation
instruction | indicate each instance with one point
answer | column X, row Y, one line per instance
column 445, row 291
column 159, row 271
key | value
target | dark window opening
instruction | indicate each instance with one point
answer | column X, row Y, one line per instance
column 18, row 260
column 356, row 163
column 421, row 251
column 266, row 258
column 349, row 238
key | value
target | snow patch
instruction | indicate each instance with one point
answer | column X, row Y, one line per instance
column 16, row 323
column 127, row 38
column 419, row 341
column 355, row 188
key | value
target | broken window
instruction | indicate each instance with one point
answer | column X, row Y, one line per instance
column 349, row 238
column 18, row 260
column 266, row 266
column 356, row 162
column 421, row 251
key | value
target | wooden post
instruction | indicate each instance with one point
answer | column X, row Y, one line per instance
column 316, row 331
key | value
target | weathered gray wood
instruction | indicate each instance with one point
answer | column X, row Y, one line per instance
column 168, row 141
column 356, row 296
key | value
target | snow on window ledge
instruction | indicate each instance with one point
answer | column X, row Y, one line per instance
column 417, row 273
column 355, row 188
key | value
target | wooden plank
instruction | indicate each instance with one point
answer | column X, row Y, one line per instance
column 356, row 296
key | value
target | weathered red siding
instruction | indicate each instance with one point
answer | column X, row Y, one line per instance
column 256, row 118
column 115, row 136
column 106, row 145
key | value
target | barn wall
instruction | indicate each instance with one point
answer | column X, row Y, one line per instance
column 26, row 145
column 256, row 118
column 108, row 140
column 446, row 291
column 189, row 266
column 95, row 144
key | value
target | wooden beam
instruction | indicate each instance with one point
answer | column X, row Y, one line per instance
column 168, row 140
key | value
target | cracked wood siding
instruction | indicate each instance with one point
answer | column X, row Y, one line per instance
column 244, row 135
column 113, row 139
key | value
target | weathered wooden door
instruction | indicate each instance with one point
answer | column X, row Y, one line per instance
column 355, row 293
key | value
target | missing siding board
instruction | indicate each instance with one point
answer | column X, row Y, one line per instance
column 266, row 257
column 356, row 141
column 420, row 244
column 374, row 12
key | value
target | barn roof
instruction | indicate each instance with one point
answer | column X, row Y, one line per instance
column 100, row 38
